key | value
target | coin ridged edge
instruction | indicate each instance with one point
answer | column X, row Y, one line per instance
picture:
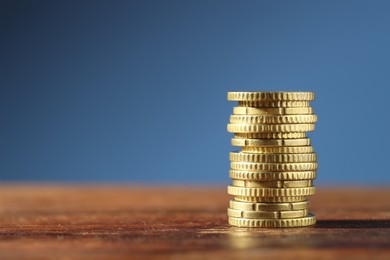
column 259, row 128
column 271, row 176
column 272, row 184
column 273, row 119
column 272, row 158
column 273, row 104
column 271, row 96
column 296, row 222
column 271, row 192
column 249, row 166
column 270, row 199
column 278, row 150
column 270, row 135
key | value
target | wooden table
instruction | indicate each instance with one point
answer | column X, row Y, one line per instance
column 115, row 222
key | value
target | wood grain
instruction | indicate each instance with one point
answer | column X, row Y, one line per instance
column 122, row 222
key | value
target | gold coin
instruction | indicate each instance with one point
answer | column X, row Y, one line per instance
column 272, row 119
column 270, row 142
column 278, row 150
column 271, row 96
column 273, row 111
column 272, row 184
column 274, row 167
column 272, row 176
column 267, row 214
column 269, row 206
column 280, row 128
column 271, row 192
column 282, row 223
column 272, row 158
column 270, row 199
column 273, row 103
column 270, row 135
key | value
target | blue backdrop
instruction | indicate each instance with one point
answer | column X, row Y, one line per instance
column 136, row 90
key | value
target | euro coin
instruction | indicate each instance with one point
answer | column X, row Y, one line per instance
column 272, row 176
column 267, row 214
column 273, row 167
column 273, row 119
column 271, row 96
column 270, row 192
column 270, row 142
column 260, row 128
column 280, row 223
column 261, row 206
column 273, row 111
column 272, row 184
column 278, row 150
column 274, row 103
column 272, row 158
column 270, row 135
column 270, row 199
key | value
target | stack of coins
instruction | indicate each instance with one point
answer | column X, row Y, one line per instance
column 273, row 174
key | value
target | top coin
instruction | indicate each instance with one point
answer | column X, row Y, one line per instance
column 271, row 96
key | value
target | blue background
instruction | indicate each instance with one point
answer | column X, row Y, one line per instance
column 135, row 91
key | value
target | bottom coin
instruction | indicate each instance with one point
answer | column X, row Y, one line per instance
column 292, row 222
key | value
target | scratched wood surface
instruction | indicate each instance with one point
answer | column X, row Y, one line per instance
column 102, row 222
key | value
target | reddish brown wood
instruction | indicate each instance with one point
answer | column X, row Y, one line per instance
column 175, row 222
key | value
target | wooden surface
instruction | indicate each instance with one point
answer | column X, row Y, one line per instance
column 90, row 222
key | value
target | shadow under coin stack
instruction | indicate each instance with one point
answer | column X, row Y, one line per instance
column 273, row 174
